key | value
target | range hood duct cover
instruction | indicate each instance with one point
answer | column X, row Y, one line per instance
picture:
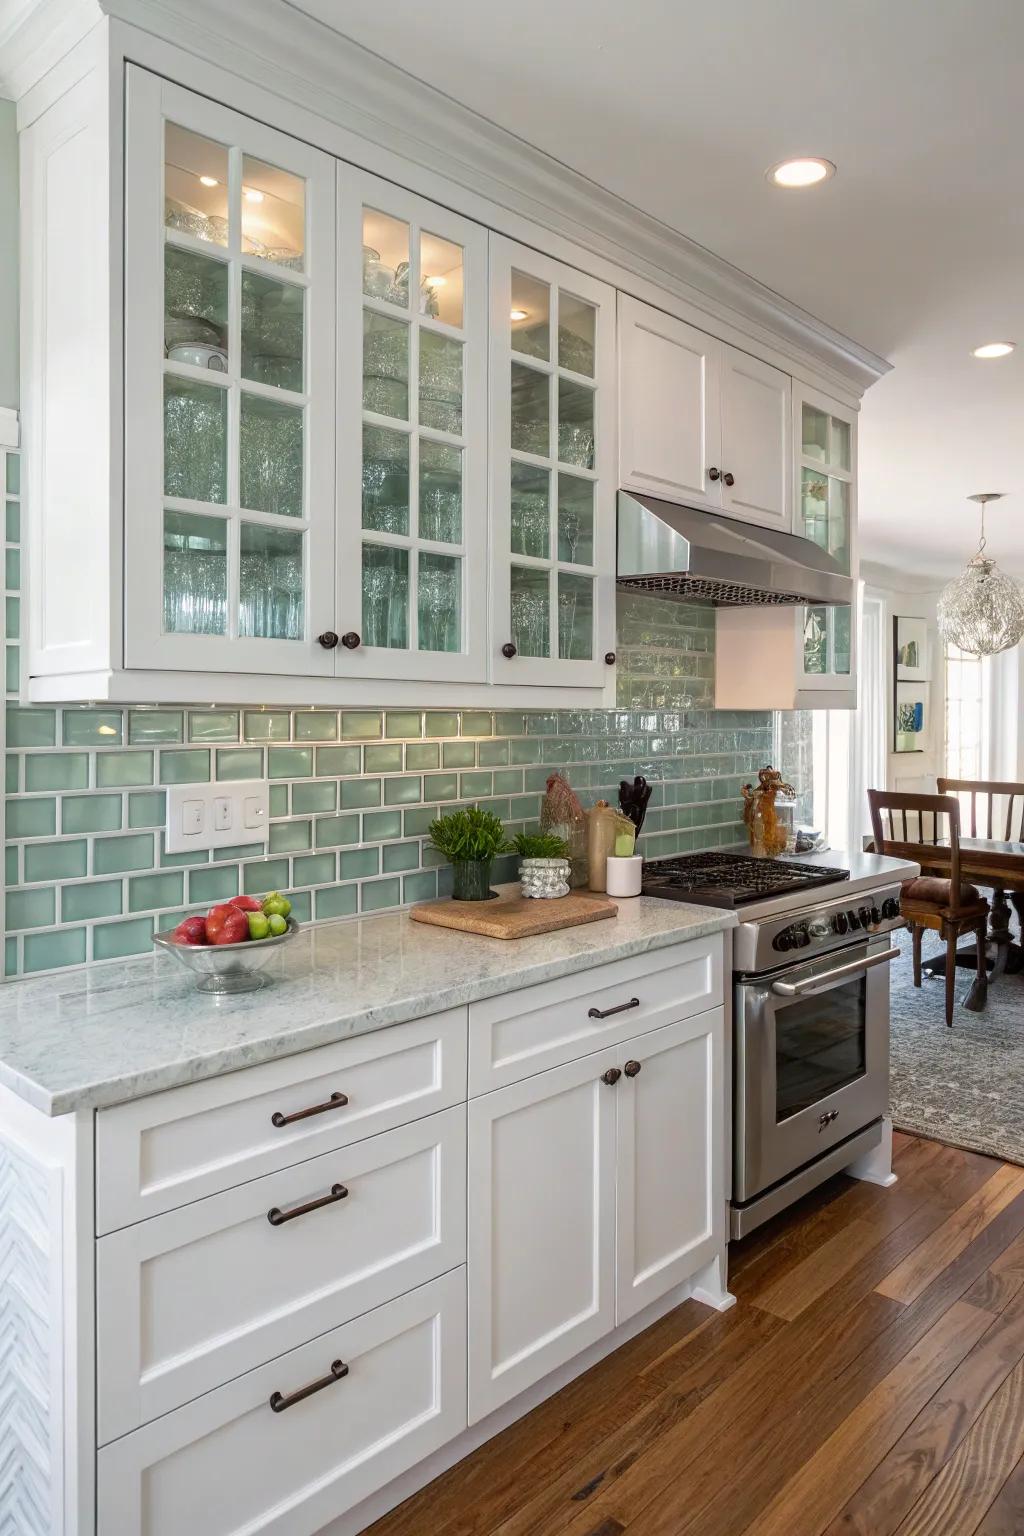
column 703, row 557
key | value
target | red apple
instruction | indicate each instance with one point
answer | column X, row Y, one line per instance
column 191, row 931
column 246, row 903
column 226, row 925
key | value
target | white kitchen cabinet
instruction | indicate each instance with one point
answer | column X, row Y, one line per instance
column 553, row 458
column 701, row 422
column 541, row 1230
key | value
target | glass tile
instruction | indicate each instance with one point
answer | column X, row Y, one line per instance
column 360, row 794
column 147, row 810
column 209, row 885
column 422, row 755
column 361, row 861
column 361, row 725
column 12, row 570
column 531, row 393
column 270, row 456
column 195, row 574
column 403, row 723
column 56, row 861
column 400, row 856
column 111, row 941
column 32, row 909
column 272, row 331
column 56, row 770
column 419, row 887
column 375, row 895
column 439, row 600
column 122, row 770
column 840, row 443
column 530, row 510
column 240, row 763
column 440, row 504
column 385, row 480
column 385, row 365
column 440, row 723
column 92, row 727
column 336, row 831
column 145, row 725
column 385, row 597
column 575, row 424
column 213, row 725
column 316, row 869
column 291, row 837
column 385, row 257
column 440, row 393
column 406, row 790
column 279, row 799
column 29, row 726
column 307, row 799
column 12, row 666
column 577, row 329
column 47, row 951
column 12, row 617
column 476, row 722
column 93, row 898
column 12, row 522
column 316, row 725
column 530, row 316
column 575, row 617
column 531, row 611
column 119, row 855
column 290, row 763
column 11, row 957
column 13, row 477
column 338, row 760
column 271, row 583
column 457, row 754
column 380, row 825
column 342, row 901
column 90, row 813
column 31, row 818
column 189, row 767
column 273, row 214
column 575, row 520
column 266, row 725
column 195, row 440
column 383, row 759
column 262, row 876
column 195, row 309
column 814, row 433
column 441, row 279
column 302, row 903
column 195, row 185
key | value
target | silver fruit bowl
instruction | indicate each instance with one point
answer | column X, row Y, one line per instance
column 227, row 967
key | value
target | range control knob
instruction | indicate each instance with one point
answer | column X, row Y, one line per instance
column 864, row 913
column 819, row 928
column 801, row 938
column 853, row 919
column 840, row 923
column 783, row 940
column 876, row 917
column 890, row 907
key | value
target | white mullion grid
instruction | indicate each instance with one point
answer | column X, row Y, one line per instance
column 234, row 531
column 10, row 496
column 259, row 265
column 413, row 631
column 211, row 249
column 553, row 445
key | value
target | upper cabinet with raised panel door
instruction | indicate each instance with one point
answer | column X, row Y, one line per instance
column 701, row 422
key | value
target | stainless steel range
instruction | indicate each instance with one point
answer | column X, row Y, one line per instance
column 810, row 1016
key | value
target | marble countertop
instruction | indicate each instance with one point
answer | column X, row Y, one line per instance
column 102, row 1034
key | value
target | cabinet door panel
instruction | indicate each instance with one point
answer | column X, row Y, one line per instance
column 671, row 1152
column 670, row 421
column 229, row 389
column 412, row 435
column 552, row 436
column 756, row 440
column 541, row 1230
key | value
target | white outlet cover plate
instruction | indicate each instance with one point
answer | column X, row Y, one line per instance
column 193, row 806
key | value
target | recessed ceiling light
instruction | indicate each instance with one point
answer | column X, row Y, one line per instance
column 807, row 171
column 994, row 349
column 252, row 196
column 435, row 282
column 518, row 314
column 209, row 181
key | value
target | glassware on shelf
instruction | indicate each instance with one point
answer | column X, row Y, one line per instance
column 575, row 617
column 440, row 394
column 530, row 523
column 385, row 365
column 270, row 459
column 575, row 520
column 272, row 331
column 195, row 440
column 385, row 257
column 385, row 597
column 195, row 185
column 816, row 641
column 439, row 601
column 530, row 410
column 441, row 278
column 195, row 574
column 271, row 583
column 377, row 278
column 577, row 324
column 273, row 214
column 195, row 304
column 575, row 424
column 385, row 480
column 440, row 498
column 531, row 611
column 530, row 316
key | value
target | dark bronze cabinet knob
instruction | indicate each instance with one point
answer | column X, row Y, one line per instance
column 508, row 650
column 328, row 639
column 714, row 474
column 611, row 1077
column 351, row 641
column 729, row 479
column 632, row 1068
column 609, row 657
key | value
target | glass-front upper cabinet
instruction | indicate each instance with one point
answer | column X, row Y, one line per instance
column 826, row 459
column 229, row 348
column 553, row 471
column 412, row 436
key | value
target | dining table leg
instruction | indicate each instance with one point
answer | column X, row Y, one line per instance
column 999, row 933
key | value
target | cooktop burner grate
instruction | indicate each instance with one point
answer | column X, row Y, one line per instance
column 731, row 879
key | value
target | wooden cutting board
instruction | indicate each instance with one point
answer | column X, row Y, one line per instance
column 515, row 916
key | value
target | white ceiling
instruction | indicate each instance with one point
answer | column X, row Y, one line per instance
column 915, row 249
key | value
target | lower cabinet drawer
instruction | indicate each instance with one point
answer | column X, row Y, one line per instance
column 200, row 1295
column 380, row 1394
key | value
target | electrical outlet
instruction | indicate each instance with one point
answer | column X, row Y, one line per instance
column 217, row 815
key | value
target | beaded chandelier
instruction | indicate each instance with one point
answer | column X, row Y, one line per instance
column 982, row 611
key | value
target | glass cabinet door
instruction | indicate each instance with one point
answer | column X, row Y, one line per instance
column 229, row 373
column 412, row 424
column 825, row 452
column 553, row 491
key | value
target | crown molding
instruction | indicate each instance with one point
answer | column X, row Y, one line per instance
column 320, row 70
column 35, row 35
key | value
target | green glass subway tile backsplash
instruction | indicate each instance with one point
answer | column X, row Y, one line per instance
column 353, row 791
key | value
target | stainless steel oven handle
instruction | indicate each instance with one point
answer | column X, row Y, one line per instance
column 799, row 988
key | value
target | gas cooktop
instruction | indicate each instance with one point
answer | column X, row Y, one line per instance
column 731, row 879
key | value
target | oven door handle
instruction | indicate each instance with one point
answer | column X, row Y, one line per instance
column 813, row 983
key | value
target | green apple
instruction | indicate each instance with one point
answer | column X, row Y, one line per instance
column 259, row 925
column 276, row 904
column 277, row 924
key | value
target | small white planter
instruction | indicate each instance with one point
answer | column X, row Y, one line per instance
column 544, row 878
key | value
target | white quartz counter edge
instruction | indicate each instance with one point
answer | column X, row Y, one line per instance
column 99, row 1035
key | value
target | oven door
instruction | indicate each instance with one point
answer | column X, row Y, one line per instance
column 811, row 1060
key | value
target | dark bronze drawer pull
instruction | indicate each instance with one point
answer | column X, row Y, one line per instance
column 336, row 1101
column 277, row 1217
column 611, row 1077
column 632, row 1068
column 279, row 1403
column 606, row 1013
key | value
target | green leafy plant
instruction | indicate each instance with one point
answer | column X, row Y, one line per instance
column 540, row 845
column 470, row 835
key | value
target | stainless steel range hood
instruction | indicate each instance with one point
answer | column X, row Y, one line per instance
column 703, row 556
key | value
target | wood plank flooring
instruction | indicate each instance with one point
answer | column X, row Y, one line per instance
column 869, row 1383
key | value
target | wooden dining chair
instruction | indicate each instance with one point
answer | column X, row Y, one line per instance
column 901, row 823
column 993, row 809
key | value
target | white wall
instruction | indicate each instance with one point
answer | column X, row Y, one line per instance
column 914, row 771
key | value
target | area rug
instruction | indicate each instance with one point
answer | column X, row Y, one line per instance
column 963, row 1085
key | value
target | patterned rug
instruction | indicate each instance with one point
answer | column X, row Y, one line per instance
column 963, row 1085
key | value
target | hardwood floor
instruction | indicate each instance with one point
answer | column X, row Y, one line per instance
column 869, row 1383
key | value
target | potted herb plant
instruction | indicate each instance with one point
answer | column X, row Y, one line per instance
column 470, row 840
column 544, row 871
